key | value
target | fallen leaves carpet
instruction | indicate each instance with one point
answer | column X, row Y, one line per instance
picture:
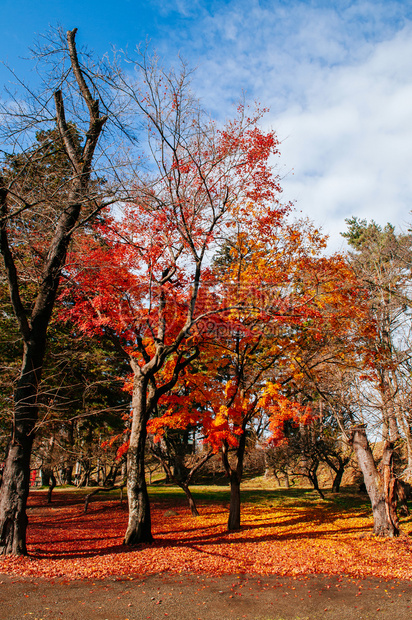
column 320, row 538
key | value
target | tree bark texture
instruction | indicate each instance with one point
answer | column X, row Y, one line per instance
column 16, row 481
column 145, row 397
column 338, row 467
column 190, row 499
column 313, row 477
column 235, row 478
column 16, row 475
column 337, row 480
column 390, row 486
column 52, row 484
column 233, row 523
column 383, row 524
column 139, row 528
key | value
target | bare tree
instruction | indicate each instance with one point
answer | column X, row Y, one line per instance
column 381, row 259
column 179, row 461
column 38, row 216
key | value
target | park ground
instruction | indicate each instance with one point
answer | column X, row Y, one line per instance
column 195, row 597
column 295, row 558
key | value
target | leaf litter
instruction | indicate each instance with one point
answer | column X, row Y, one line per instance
column 63, row 541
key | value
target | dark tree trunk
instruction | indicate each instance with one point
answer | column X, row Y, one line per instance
column 45, row 477
column 111, row 477
column 52, row 484
column 48, row 479
column 15, row 490
column 16, row 474
column 139, row 528
column 313, row 477
column 337, row 480
column 68, row 466
column 186, row 474
column 233, row 523
column 108, row 478
column 85, row 477
column 68, row 474
column 383, row 525
column 402, row 494
column 192, row 504
column 278, row 480
column 315, row 483
column 390, row 486
column 235, row 478
column 337, row 464
column 268, row 467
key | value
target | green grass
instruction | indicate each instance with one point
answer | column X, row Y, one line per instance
column 273, row 498
column 305, row 499
column 280, row 497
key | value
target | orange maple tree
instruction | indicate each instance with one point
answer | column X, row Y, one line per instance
column 279, row 294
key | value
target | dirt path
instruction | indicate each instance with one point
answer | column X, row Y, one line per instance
column 189, row 597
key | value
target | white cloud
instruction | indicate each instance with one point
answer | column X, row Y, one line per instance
column 351, row 145
column 337, row 77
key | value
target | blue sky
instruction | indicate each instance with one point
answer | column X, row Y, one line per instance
column 336, row 75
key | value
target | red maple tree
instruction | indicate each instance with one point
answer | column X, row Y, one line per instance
column 147, row 280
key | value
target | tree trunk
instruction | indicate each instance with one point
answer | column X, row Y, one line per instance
column 13, row 520
column 337, row 465
column 111, row 476
column 85, row 478
column 16, row 474
column 233, row 523
column 192, row 504
column 383, row 525
column 68, row 474
column 313, row 477
column 390, row 486
column 408, row 436
column 235, row 478
column 402, row 494
column 15, row 489
column 139, row 528
column 52, row 484
column 69, row 463
column 338, row 479
column 267, row 466
column 45, row 476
